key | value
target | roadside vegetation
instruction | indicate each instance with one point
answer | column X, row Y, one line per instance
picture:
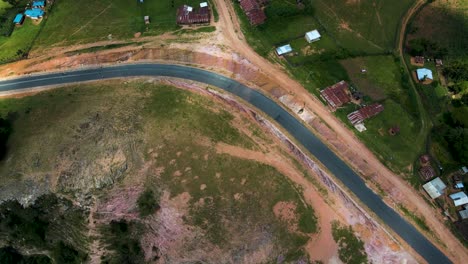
column 168, row 142
column 108, row 19
column 51, row 225
column 351, row 248
column 15, row 42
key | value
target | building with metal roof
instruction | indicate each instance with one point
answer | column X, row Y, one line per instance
column 336, row 95
column 284, row 49
column 312, row 36
column 424, row 74
column 187, row 15
column 204, row 4
column 34, row 13
column 463, row 214
column 459, row 198
column 38, row 4
column 364, row 113
column 253, row 11
column 18, row 20
column 435, row 188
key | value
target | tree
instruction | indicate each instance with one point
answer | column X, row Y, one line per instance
column 5, row 131
column 147, row 204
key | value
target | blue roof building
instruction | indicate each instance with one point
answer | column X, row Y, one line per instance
column 34, row 13
column 284, row 49
column 19, row 18
column 38, row 4
column 424, row 74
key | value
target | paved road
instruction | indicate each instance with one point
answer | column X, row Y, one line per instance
column 334, row 164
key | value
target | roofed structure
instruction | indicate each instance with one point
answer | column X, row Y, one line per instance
column 19, row 18
column 186, row 15
column 435, row 188
column 424, row 159
column 419, row 60
column 336, row 95
column 38, row 4
column 364, row 113
column 283, row 49
column 427, row 172
column 253, row 11
column 34, row 13
column 464, row 214
column 312, row 36
column 459, row 198
column 424, row 74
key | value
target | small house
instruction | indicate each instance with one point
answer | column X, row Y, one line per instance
column 38, row 4
column 336, row 95
column 464, row 170
column 284, row 49
column 463, row 214
column 424, row 75
column 418, row 60
column 34, row 13
column 439, row 63
column 203, row 4
column 312, row 36
column 424, row 160
column 435, row 188
column 459, row 185
column 253, row 11
column 19, row 19
column 459, row 198
column 427, row 172
column 147, row 20
column 364, row 113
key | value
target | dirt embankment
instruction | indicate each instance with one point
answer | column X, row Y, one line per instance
column 228, row 53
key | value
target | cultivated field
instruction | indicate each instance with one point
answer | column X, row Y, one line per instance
column 112, row 140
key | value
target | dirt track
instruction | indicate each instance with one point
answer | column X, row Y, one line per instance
column 412, row 199
column 338, row 137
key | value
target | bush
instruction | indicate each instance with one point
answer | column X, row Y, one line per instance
column 122, row 239
column 147, row 204
column 351, row 248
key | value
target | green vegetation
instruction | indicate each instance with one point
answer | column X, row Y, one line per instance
column 122, row 239
column 97, row 48
column 147, row 203
column 351, row 248
column 157, row 126
column 9, row 255
column 197, row 30
column 416, row 219
column 47, row 225
column 88, row 21
column 384, row 82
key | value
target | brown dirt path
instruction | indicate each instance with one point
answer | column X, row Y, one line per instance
column 321, row 246
column 231, row 29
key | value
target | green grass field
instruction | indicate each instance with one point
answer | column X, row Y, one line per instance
column 87, row 21
column 362, row 26
column 383, row 83
column 20, row 41
column 159, row 128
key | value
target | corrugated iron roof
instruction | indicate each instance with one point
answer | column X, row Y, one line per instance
column 435, row 188
column 336, row 95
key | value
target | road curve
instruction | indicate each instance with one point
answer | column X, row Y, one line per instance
column 313, row 144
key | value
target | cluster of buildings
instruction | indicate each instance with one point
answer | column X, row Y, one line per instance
column 253, row 9
column 310, row 36
column 424, row 75
column 35, row 12
column 339, row 94
column 436, row 188
column 187, row 15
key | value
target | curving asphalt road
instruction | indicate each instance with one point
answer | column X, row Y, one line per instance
column 334, row 164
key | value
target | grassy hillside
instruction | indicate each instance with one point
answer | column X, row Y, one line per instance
column 106, row 140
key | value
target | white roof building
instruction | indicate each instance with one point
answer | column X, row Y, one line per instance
column 435, row 188
column 312, row 36
column 424, row 74
column 284, row 49
column 203, row 4
column 464, row 214
column 464, row 169
column 459, row 198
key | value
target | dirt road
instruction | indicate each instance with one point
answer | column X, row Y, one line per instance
column 230, row 27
